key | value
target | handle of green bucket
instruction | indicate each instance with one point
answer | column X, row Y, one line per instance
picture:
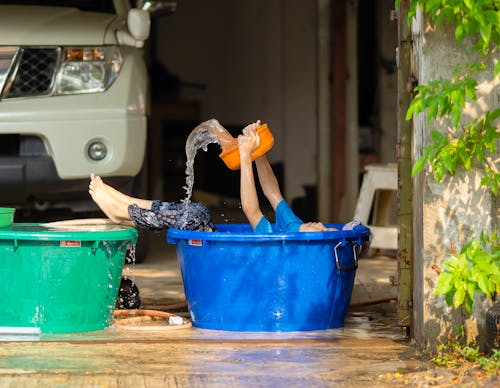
column 337, row 263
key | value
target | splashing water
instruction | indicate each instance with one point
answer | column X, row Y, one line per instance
column 206, row 133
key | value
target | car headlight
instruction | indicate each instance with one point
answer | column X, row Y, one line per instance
column 87, row 69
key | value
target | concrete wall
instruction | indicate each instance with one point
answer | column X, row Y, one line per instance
column 451, row 211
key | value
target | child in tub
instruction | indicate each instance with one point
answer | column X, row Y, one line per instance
column 286, row 220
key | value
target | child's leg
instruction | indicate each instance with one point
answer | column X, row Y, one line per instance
column 144, row 214
column 268, row 182
column 164, row 215
column 114, row 205
column 122, row 197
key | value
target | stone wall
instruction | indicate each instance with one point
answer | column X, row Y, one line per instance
column 454, row 210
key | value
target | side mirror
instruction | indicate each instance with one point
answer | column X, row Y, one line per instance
column 139, row 26
column 139, row 23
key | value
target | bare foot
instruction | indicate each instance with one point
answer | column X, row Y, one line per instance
column 120, row 197
column 114, row 209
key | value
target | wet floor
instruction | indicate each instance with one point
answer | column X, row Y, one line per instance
column 369, row 346
column 367, row 323
column 204, row 364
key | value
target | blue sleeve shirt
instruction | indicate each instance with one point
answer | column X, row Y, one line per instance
column 286, row 221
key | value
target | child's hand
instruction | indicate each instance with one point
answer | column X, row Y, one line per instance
column 248, row 141
column 250, row 127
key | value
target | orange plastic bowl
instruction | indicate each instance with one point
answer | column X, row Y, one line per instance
column 231, row 157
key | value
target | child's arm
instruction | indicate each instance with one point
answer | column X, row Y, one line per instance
column 268, row 181
column 247, row 143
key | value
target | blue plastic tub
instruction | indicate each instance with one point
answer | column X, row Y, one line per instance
column 237, row 280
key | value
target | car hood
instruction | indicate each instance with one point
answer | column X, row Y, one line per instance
column 35, row 25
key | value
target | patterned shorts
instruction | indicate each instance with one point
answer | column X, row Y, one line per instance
column 164, row 215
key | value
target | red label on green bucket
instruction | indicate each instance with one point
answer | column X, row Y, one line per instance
column 196, row 243
column 71, row 243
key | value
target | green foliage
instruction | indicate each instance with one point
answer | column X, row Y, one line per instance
column 446, row 97
column 478, row 19
column 477, row 143
column 442, row 98
column 454, row 354
column 476, row 269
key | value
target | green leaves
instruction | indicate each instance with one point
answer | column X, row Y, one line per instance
column 455, row 353
column 478, row 19
column 476, row 269
column 442, row 97
column 446, row 153
column 419, row 164
column 445, row 97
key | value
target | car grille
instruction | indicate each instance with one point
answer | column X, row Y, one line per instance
column 31, row 72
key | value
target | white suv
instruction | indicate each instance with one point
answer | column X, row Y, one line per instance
column 73, row 97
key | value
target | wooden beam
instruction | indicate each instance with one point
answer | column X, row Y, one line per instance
column 405, row 189
column 339, row 75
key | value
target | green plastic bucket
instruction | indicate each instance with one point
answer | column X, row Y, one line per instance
column 6, row 216
column 60, row 280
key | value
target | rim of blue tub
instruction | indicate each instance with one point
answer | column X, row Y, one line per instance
column 37, row 231
column 228, row 232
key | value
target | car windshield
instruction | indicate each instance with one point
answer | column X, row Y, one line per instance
column 83, row 5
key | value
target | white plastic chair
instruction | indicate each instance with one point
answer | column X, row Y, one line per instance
column 378, row 180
